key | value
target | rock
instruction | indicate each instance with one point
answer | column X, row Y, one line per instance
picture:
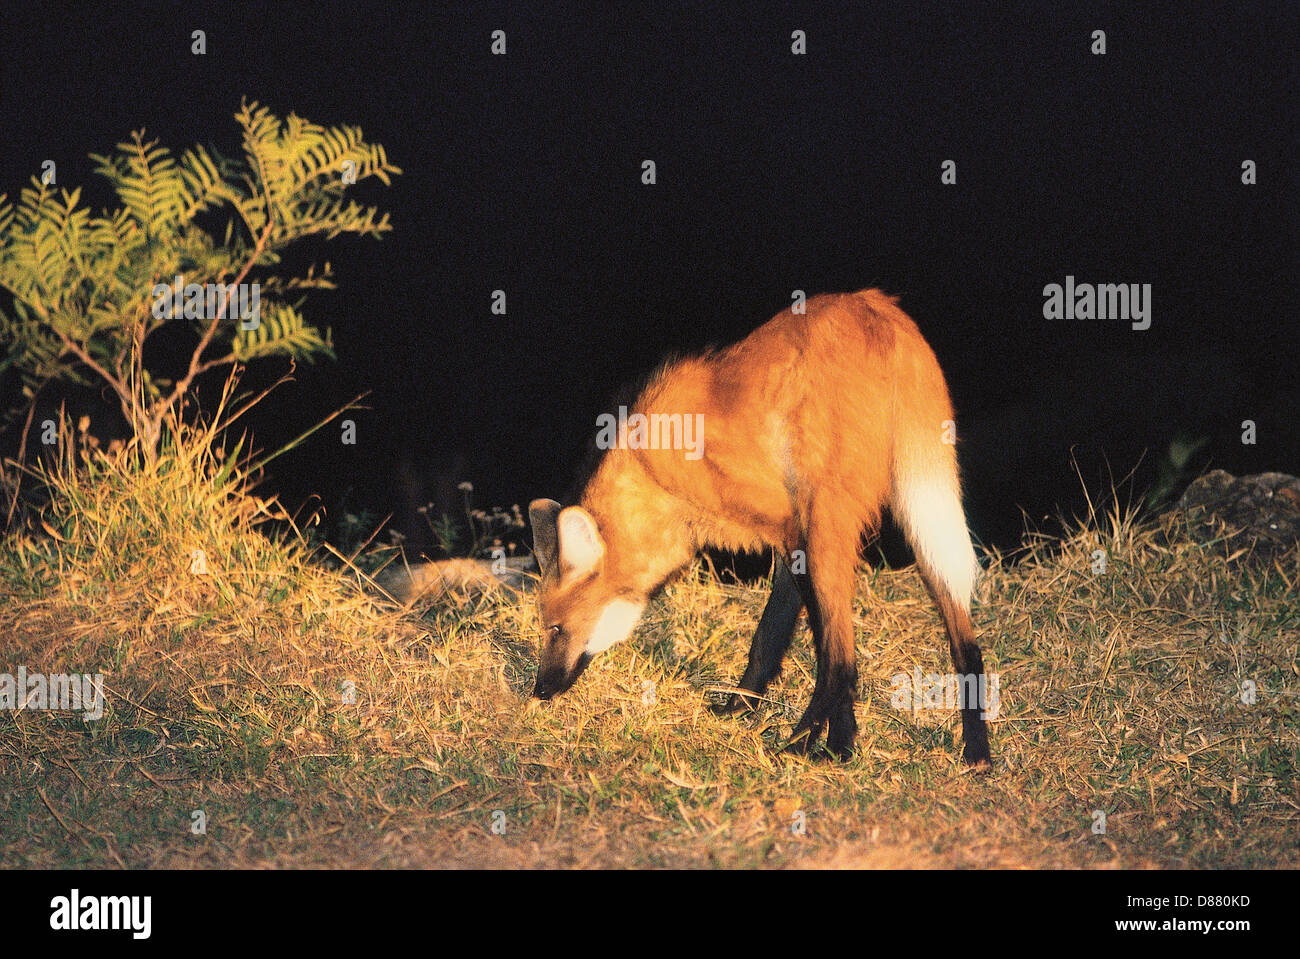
column 1258, row 513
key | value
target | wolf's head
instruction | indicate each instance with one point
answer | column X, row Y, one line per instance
column 584, row 608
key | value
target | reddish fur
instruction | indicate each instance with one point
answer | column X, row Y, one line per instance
column 807, row 398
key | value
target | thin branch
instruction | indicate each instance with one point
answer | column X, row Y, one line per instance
column 197, row 365
column 22, row 458
column 212, row 364
column 90, row 361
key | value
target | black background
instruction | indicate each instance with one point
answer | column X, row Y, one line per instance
column 517, row 911
column 775, row 172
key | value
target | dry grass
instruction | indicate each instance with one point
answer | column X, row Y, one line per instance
column 1120, row 692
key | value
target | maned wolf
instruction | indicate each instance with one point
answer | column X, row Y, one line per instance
column 803, row 432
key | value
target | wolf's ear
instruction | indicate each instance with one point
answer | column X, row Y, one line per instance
column 581, row 547
column 546, row 535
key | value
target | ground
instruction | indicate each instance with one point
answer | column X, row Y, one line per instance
column 272, row 713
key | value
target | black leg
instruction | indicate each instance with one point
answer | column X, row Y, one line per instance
column 973, row 729
column 771, row 639
column 969, row 664
column 828, row 595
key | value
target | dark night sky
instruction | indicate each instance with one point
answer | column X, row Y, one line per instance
column 775, row 172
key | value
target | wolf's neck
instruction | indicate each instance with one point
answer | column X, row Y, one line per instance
column 648, row 532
